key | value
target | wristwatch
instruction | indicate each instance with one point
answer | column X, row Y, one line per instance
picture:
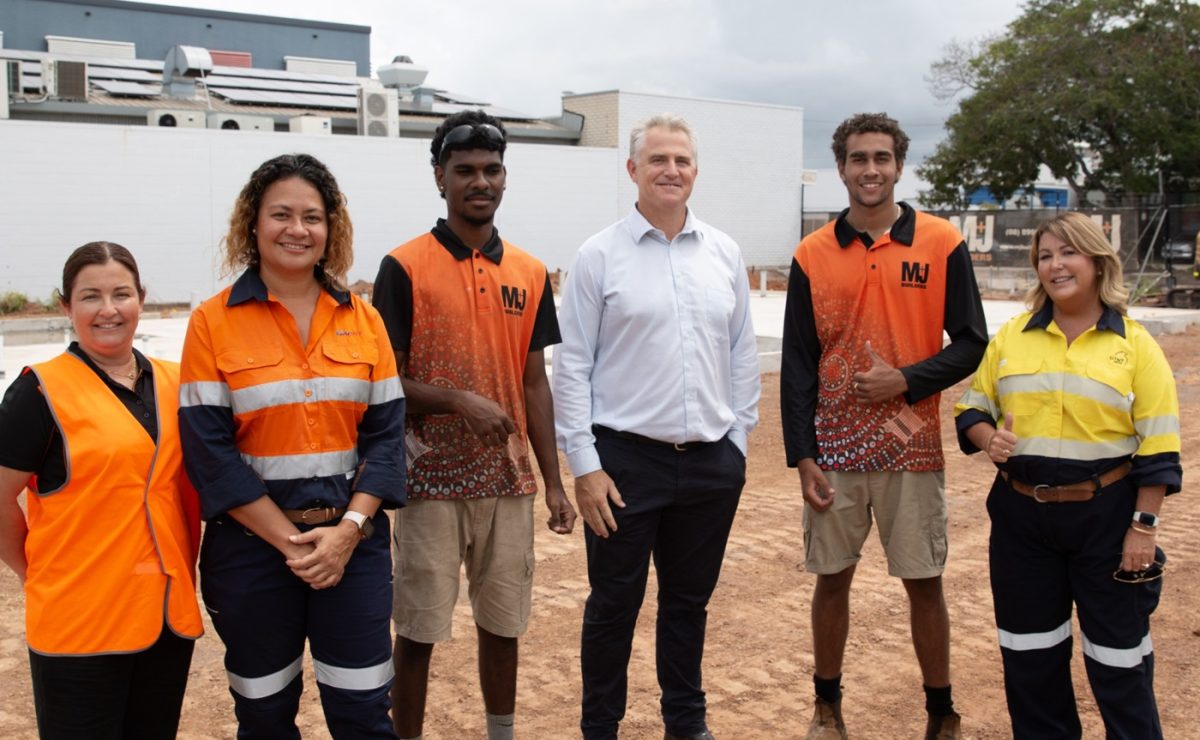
column 366, row 527
column 1145, row 518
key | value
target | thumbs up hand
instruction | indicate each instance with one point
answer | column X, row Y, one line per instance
column 880, row 382
column 1001, row 444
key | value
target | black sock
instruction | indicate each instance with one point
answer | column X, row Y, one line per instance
column 829, row 689
column 938, row 701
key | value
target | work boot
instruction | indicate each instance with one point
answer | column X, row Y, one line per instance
column 827, row 722
column 943, row 727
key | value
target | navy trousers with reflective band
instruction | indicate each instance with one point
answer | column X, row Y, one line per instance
column 134, row 696
column 679, row 507
column 264, row 613
column 1043, row 558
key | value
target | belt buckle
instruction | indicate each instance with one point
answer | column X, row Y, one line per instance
column 1037, row 493
column 680, row 447
column 319, row 509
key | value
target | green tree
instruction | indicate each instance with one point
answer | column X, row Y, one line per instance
column 1105, row 93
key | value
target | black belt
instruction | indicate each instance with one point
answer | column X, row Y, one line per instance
column 642, row 440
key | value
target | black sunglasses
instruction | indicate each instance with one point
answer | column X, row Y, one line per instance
column 459, row 134
column 1151, row 573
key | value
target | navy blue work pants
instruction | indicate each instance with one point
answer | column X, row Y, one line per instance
column 679, row 507
column 264, row 613
column 133, row 696
column 1043, row 558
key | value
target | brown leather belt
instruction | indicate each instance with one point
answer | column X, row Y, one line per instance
column 316, row 515
column 642, row 440
column 1071, row 493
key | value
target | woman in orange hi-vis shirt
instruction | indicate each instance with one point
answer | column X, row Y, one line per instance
column 292, row 420
column 108, row 551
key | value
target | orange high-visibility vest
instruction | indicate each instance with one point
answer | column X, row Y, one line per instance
column 112, row 552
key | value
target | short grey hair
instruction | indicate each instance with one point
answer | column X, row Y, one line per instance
column 669, row 121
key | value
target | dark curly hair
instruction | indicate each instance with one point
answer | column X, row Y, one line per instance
column 476, row 141
column 870, row 123
column 241, row 247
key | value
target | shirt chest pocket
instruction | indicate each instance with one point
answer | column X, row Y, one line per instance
column 353, row 360
column 1107, row 396
column 244, row 367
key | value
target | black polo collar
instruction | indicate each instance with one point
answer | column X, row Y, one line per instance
column 1109, row 319
column 903, row 230
column 251, row 287
column 493, row 250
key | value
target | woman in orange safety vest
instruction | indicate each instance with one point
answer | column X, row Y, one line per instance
column 107, row 551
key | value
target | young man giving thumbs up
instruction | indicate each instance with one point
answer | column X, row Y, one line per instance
column 863, row 363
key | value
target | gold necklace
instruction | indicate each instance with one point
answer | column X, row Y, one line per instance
column 130, row 374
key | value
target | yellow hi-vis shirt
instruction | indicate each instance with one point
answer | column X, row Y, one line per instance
column 1080, row 409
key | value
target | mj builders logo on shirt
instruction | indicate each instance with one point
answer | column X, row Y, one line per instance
column 914, row 274
column 513, row 299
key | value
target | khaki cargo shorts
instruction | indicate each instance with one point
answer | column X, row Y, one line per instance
column 910, row 509
column 433, row 540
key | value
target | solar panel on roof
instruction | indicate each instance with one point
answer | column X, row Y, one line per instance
column 251, row 83
column 118, row 73
column 278, row 74
column 295, row 100
column 133, row 89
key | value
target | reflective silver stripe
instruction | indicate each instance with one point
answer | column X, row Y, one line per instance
column 386, row 390
column 977, row 400
column 307, row 390
column 354, row 679
column 1073, row 449
column 206, row 393
column 1156, row 425
column 1118, row 657
column 316, row 465
column 1077, row 385
column 264, row 686
column 1035, row 640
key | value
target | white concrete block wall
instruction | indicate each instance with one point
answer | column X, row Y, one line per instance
column 167, row 195
column 750, row 160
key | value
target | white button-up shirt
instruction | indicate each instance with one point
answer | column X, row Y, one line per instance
column 656, row 340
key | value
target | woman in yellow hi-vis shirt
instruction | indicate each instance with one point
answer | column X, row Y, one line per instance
column 1075, row 404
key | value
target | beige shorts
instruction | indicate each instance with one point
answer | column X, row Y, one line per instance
column 910, row 509
column 432, row 540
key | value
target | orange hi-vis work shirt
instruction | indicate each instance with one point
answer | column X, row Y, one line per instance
column 307, row 424
column 898, row 293
column 475, row 316
column 112, row 552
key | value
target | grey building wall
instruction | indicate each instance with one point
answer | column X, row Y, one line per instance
column 156, row 28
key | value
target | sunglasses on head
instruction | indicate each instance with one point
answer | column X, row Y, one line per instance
column 459, row 134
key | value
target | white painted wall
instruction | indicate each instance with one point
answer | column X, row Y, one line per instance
column 167, row 195
column 750, row 160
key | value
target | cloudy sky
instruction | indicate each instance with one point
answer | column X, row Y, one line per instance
column 833, row 58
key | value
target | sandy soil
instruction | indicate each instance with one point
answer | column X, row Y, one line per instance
column 758, row 658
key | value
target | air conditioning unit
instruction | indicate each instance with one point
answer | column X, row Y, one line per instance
column 64, row 80
column 175, row 118
column 310, row 125
column 12, row 73
column 378, row 112
column 238, row 122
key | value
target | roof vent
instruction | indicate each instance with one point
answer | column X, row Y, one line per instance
column 181, row 68
column 401, row 73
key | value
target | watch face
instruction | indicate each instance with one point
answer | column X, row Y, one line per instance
column 367, row 529
column 1142, row 517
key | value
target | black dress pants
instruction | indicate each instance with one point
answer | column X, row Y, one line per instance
column 679, row 508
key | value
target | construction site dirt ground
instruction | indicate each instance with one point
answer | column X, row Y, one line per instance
column 758, row 657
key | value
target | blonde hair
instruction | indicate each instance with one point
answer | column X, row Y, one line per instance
column 240, row 244
column 1082, row 233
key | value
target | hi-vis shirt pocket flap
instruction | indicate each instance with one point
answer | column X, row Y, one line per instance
column 351, row 354
column 1120, row 379
column 1019, row 366
column 241, row 359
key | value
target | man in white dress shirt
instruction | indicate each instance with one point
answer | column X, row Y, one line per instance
column 656, row 387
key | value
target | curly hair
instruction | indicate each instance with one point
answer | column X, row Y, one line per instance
column 240, row 244
column 1086, row 236
column 869, row 123
column 476, row 141
column 97, row 253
